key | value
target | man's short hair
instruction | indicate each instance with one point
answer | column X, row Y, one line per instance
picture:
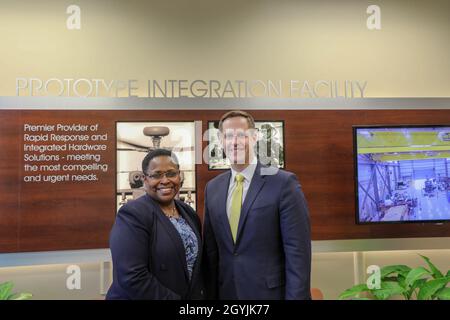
column 158, row 153
column 237, row 113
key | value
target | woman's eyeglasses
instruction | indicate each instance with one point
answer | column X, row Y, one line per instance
column 159, row 175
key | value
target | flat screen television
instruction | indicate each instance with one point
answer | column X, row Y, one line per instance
column 402, row 173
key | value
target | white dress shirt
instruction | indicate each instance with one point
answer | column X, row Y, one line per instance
column 248, row 175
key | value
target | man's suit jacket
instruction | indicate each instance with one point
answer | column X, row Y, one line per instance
column 148, row 254
column 272, row 255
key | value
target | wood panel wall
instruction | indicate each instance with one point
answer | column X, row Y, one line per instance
column 318, row 148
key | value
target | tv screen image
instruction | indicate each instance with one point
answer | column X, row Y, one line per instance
column 402, row 173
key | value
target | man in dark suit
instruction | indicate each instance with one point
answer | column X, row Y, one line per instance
column 256, row 224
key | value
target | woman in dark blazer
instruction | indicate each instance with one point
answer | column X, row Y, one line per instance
column 156, row 242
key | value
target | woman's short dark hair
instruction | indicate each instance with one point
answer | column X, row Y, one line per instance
column 158, row 153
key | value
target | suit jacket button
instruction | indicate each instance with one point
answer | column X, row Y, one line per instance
column 236, row 254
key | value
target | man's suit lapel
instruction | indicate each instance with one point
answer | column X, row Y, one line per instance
column 255, row 187
column 222, row 205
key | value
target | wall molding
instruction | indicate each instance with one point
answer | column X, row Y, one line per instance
column 320, row 246
column 75, row 103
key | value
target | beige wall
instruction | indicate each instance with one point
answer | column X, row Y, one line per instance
column 48, row 282
column 335, row 272
column 234, row 39
column 332, row 272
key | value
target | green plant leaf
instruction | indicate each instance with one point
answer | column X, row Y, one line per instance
column 443, row 294
column 402, row 281
column 21, row 296
column 388, row 270
column 436, row 273
column 353, row 291
column 392, row 279
column 5, row 290
column 418, row 284
column 416, row 274
column 431, row 287
column 388, row 289
column 448, row 273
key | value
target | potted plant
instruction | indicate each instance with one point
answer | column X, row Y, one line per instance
column 412, row 283
column 7, row 294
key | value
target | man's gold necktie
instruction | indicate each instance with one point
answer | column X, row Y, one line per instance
column 236, row 204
